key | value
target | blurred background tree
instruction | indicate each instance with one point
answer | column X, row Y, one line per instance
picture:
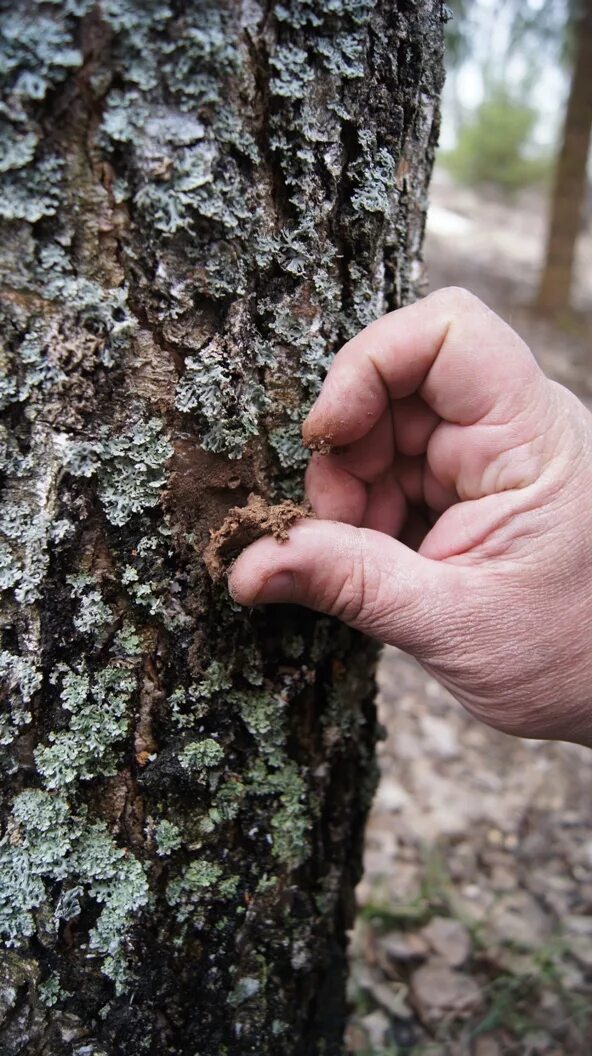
column 514, row 61
column 569, row 191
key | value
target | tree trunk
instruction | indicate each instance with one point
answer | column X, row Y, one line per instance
column 569, row 191
column 200, row 202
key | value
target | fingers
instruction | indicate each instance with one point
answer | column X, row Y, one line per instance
column 338, row 495
column 449, row 348
column 373, row 583
column 414, row 423
column 334, row 493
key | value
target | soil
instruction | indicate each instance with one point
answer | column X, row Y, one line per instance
column 323, row 445
column 243, row 525
column 474, row 936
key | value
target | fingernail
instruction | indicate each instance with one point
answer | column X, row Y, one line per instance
column 277, row 588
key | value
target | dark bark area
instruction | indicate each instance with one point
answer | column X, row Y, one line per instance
column 199, row 203
column 569, row 188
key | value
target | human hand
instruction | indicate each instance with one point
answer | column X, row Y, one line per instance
column 455, row 515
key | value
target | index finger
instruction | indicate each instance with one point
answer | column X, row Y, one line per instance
column 460, row 357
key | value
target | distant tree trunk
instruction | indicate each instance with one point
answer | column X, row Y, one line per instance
column 200, row 201
column 569, row 191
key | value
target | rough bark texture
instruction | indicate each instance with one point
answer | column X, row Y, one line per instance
column 569, row 190
column 200, row 201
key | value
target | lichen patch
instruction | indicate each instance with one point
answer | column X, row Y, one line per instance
column 243, row 525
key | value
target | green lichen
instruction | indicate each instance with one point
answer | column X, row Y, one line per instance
column 51, row 991
column 291, row 821
column 277, row 776
column 227, row 802
column 117, row 881
column 202, row 755
column 189, row 703
column 168, row 837
column 128, row 642
column 203, row 178
column 264, row 715
column 197, row 887
column 287, row 443
column 99, row 707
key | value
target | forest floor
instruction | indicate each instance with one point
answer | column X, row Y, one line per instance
column 474, row 936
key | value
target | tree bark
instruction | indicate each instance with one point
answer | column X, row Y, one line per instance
column 200, row 202
column 567, row 202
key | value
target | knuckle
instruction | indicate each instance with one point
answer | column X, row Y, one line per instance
column 457, row 299
column 347, row 600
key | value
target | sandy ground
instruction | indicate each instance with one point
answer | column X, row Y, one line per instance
column 475, row 931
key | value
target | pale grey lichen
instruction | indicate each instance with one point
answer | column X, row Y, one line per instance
column 224, row 393
column 30, row 196
column 287, row 443
column 38, row 52
column 131, row 472
column 292, row 71
column 215, row 201
column 374, row 181
column 343, row 54
column 46, row 845
column 93, row 617
column 21, row 677
column 17, row 147
column 24, row 531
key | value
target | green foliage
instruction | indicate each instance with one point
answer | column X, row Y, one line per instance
column 495, row 145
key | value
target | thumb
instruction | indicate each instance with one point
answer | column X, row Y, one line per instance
column 370, row 581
